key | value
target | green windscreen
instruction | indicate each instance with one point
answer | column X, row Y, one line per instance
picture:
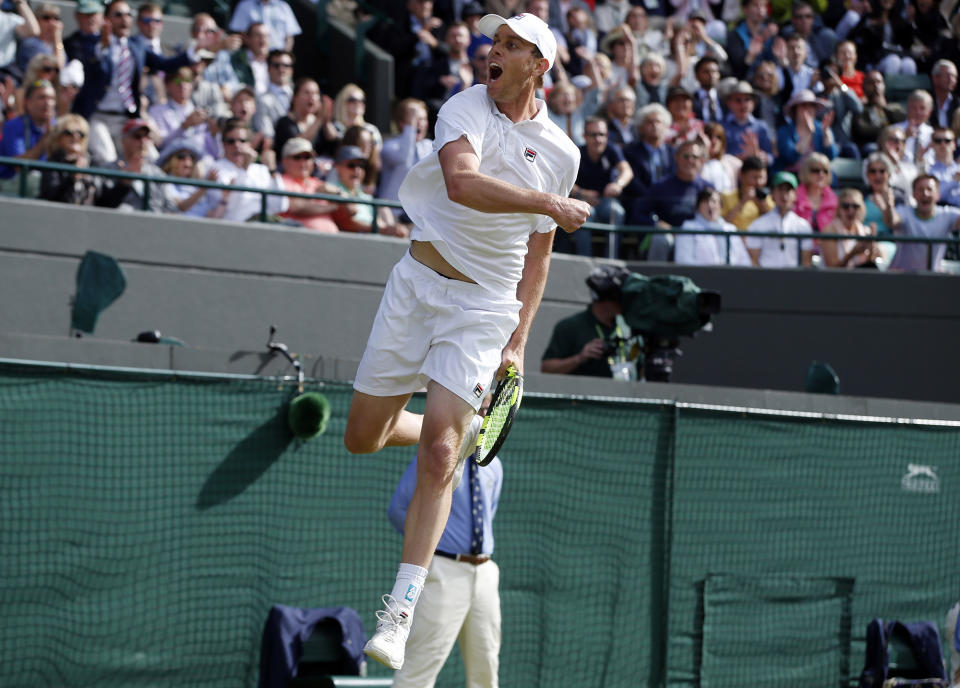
column 150, row 521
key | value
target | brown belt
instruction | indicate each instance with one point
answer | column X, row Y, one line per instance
column 475, row 559
column 426, row 254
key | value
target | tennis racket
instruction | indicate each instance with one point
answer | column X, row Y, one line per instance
column 500, row 415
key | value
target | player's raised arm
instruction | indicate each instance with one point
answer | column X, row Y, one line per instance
column 467, row 186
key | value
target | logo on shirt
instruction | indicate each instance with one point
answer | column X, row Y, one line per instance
column 478, row 391
column 529, row 154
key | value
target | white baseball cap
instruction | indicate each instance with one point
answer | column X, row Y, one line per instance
column 529, row 27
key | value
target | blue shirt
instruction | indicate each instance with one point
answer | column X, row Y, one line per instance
column 734, row 130
column 17, row 139
column 672, row 200
column 276, row 15
column 456, row 536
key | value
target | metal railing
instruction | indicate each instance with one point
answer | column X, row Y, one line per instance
column 25, row 166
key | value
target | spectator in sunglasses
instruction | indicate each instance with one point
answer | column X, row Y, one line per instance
column 351, row 167
column 854, row 252
column 136, row 147
column 68, row 144
column 944, row 167
column 48, row 42
column 299, row 161
column 178, row 117
column 239, row 167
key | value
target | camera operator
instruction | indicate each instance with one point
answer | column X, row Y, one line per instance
column 582, row 343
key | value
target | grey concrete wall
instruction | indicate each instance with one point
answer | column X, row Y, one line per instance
column 219, row 286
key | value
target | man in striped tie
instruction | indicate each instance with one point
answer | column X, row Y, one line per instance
column 111, row 91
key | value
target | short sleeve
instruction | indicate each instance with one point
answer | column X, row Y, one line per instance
column 462, row 115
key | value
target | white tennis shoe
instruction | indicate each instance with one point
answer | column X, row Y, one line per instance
column 390, row 639
column 468, row 447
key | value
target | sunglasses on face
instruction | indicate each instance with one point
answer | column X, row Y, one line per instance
column 941, row 139
column 121, row 15
column 234, row 141
column 73, row 133
column 151, row 20
column 50, row 17
column 140, row 135
column 49, row 70
column 302, row 156
column 850, row 206
column 183, row 156
column 357, row 165
column 356, row 99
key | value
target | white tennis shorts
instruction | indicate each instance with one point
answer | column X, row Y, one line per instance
column 431, row 327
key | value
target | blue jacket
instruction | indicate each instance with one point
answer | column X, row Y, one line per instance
column 98, row 70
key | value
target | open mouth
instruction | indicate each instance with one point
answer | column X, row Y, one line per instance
column 496, row 71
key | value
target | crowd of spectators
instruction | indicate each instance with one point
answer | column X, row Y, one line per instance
column 683, row 111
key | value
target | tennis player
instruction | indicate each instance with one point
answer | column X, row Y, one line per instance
column 457, row 308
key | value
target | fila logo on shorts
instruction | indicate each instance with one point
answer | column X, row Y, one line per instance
column 478, row 391
column 529, row 154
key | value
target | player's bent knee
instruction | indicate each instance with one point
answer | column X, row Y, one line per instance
column 358, row 442
column 436, row 463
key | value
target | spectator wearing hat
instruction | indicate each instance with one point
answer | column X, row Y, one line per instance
column 351, row 167
column 17, row 25
column 136, row 146
column 746, row 135
column 686, row 126
column 275, row 15
column 603, row 175
column 803, row 134
column 181, row 158
column 780, row 251
column 298, row 161
column 471, row 14
column 48, row 42
column 238, row 167
column 26, row 136
column 81, row 44
column 620, row 45
column 706, row 100
column 71, row 79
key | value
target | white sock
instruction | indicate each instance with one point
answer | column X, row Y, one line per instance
column 410, row 581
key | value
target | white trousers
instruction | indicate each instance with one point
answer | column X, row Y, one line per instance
column 460, row 602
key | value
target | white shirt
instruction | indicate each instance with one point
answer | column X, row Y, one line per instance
column 777, row 252
column 709, row 249
column 533, row 154
column 275, row 14
column 913, row 256
column 915, row 143
column 8, row 37
column 242, row 205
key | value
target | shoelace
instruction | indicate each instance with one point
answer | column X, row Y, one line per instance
column 390, row 618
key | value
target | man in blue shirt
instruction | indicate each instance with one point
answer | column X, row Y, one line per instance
column 746, row 135
column 26, row 136
column 672, row 201
column 461, row 598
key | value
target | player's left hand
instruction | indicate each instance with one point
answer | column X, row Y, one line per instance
column 509, row 357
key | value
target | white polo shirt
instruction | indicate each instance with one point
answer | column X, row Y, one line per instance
column 777, row 252
column 534, row 154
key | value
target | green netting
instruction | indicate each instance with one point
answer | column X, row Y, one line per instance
column 149, row 523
